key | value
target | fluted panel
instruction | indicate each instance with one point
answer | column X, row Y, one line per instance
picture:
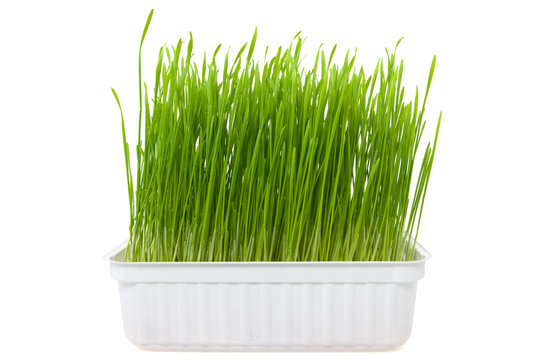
column 273, row 316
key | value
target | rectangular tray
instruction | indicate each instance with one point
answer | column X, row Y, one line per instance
column 265, row 306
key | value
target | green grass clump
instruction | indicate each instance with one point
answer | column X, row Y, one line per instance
column 273, row 161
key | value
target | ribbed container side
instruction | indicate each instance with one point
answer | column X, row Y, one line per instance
column 267, row 316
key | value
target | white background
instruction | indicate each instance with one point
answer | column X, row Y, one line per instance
column 63, row 199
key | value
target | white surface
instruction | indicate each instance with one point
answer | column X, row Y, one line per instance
column 272, row 306
column 63, row 201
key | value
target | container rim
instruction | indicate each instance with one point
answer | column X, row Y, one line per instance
column 421, row 256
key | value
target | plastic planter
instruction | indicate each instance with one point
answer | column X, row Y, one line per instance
column 267, row 305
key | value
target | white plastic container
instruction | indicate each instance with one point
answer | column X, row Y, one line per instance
column 267, row 305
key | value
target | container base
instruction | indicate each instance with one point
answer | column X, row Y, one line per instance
column 269, row 348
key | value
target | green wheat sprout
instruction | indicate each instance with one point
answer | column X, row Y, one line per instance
column 272, row 161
